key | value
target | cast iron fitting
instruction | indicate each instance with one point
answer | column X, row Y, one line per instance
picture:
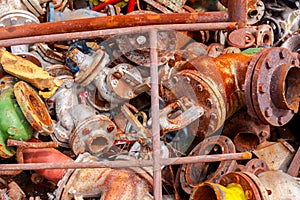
column 214, row 83
column 13, row 123
column 89, row 65
column 17, row 18
column 106, row 183
column 93, row 133
column 211, row 172
column 272, row 86
column 178, row 115
column 63, row 100
column 213, row 191
column 33, row 108
column 251, row 185
column 136, row 46
column 47, row 155
column 247, row 132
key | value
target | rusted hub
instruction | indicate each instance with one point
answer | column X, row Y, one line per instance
column 33, row 108
column 256, row 10
column 247, row 132
column 195, row 173
column 195, row 86
column 136, row 47
column 272, row 86
column 95, row 135
column 248, row 185
column 264, row 35
column 256, row 166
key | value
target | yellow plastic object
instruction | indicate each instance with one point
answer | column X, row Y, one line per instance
column 28, row 71
column 212, row 191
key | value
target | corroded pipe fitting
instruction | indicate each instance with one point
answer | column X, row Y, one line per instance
column 93, row 133
column 268, row 87
column 106, row 183
column 46, row 155
column 246, row 132
column 211, row 172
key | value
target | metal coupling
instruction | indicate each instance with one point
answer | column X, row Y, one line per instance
column 13, row 123
column 246, row 132
column 93, row 133
column 210, row 171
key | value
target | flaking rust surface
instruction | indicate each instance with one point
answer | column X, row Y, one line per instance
column 28, row 71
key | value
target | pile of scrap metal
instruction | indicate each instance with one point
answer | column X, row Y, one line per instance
column 110, row 100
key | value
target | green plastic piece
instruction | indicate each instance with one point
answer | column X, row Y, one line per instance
column 13, row 124
column 252, row 51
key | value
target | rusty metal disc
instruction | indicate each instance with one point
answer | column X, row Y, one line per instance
column 136, row 47
column 241, row 38
column 245, row 181
column 267, row 72
column 256, row 166
column 33, row 108
column 196, row 173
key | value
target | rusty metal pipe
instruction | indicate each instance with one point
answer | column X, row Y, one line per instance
column 122, row 164
column 36, row 145
column 237, row 11
column 98, row 23
column 46, row 156
column 157, row 177
column 108, row 32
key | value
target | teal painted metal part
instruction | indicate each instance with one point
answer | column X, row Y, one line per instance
column 13, row 124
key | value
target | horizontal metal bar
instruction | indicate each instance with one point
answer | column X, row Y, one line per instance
column 127, row 163
column 107, row 22
column 109, row 32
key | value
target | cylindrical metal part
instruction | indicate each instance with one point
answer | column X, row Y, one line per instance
column 120, row 21
column 47, row 155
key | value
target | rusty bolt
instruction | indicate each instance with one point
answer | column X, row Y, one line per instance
column 110, row 128
column 199, row 87
column 248, row 194
column 86, row 131
column 282, row 54
column 141, row 39
column 280, row 120
column 261, row 88
column 268, row 65
column 268, row 112
column 263, row 134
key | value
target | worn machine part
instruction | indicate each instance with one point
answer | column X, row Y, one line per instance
column 241, row 38
column 280, row 185
column 7, row 82
column 247, row 132
column 274, row 25
column 16, row 18
column 213, row 191
column 211, row 172
column 28, row 71
column 277, row 155
column 136, row 47
column 34, row 108
column 63, row 100
column 46, row 155
column 13, row 123
column 213, row 83
column 272, row 85
column 34, row 6
column 93, row 133
column 255, row 166
column 256, row 10
column 178, row 115
column 292, row 43
column 15, row 192
column 251, row 185
column 215, row 49
column 264, row 35
column 89, row 65
column 106, row 183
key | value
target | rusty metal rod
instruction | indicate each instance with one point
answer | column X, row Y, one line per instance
column 157, row 178
column 124, row 164
column 237, row 10
column 98, row 23
column 36, row 145
column 109, row 32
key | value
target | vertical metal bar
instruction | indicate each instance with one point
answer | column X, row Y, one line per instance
column 157, row 179
column 237, row 11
